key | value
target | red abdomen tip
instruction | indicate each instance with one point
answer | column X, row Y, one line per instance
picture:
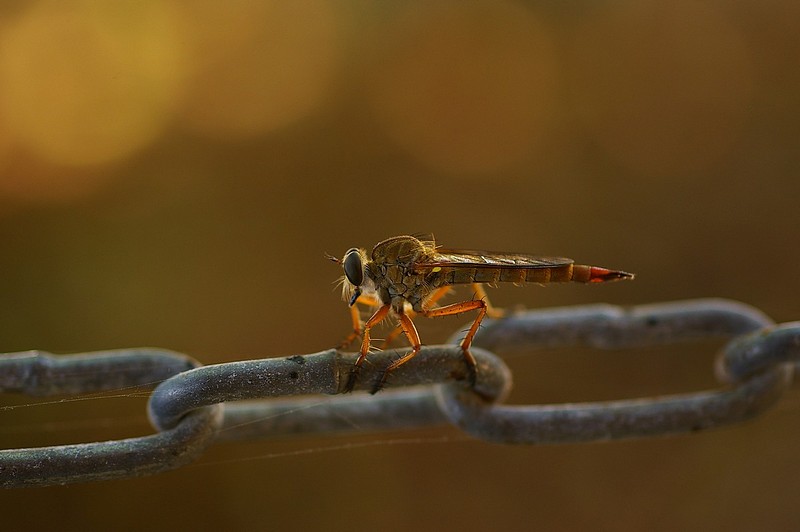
column 602, row 275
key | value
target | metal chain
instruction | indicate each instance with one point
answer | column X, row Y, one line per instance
column 197, row 405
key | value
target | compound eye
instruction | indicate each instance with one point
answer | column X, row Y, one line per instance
column 352, row 267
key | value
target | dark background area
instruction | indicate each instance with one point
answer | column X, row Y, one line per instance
column 172, row 173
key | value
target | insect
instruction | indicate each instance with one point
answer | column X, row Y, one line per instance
column 405, row 276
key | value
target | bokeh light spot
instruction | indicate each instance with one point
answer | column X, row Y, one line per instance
column 257, row 66
column 85, row 83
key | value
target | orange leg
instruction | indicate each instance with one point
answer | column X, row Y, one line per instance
column 492, row 312
column 458, row 308
column 376, row 318
column 355, row 315
column 437, row 295
column 392, row 336
column 411, row 333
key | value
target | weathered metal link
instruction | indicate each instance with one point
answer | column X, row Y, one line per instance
column 322, row 373
column 109, row 460
column 570, row 423
column 760, row 350
column 605, row 326
column 38, row 373
column 187, row 407
column 353, row 413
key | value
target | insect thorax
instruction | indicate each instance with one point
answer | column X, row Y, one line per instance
column 397, row 284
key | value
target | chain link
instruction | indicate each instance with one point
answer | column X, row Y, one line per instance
column 197, row 405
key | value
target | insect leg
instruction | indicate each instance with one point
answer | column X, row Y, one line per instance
column 408, row 328
column 437, row 295
column 392, row 336
column 355, row 315
column 491, row 311
column 458, row 308
column 376, row 318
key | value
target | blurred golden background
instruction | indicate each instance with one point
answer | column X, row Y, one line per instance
column 172, row 173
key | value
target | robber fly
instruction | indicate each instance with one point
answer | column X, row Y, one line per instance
column 405, row 276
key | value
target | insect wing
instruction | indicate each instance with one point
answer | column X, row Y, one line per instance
column 467, row 258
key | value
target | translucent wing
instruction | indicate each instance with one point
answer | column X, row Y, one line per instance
column 468, row 258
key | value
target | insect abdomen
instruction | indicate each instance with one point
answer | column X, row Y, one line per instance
column 561, row 274
column 556, row 274
column 506, row 275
